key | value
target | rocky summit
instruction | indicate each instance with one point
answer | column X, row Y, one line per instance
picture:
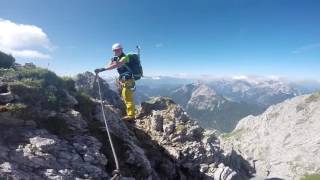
column 283, row 142
column 53, row 128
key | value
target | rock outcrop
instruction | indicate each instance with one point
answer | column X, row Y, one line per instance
column 195, row 150
column 41, row 141
column 283, row 142
column 85, row 82
column 51, row 129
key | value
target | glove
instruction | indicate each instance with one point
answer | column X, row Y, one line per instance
column 99, row 70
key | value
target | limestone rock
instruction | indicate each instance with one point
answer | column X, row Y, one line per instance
column 283, row 142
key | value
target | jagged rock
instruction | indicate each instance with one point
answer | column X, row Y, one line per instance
column 70, row 142
column 137, row 158
column 193, row 147
column 70, row 100
column 3, row 87
column 43, row 144
column 204, row 167
column 6, row 167
column 282, row 142
column 157, row 121
column 85, row 82
column 8, row 118
column 31, row 150
column 6, row 98
column 156, row 103
column 223, row 172
column 75, row 120
column 169, row 128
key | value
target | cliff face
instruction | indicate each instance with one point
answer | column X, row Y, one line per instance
column 284, row 141
column 43, row 135
column 52, row 128
column 196, row 152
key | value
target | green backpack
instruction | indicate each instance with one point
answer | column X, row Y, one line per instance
column 134, row 66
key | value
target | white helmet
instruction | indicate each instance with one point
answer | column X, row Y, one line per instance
column 116, row 46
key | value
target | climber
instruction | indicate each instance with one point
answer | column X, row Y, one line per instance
column 129, row 69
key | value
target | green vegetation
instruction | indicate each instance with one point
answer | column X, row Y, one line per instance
column 152, row 100
column 234, row 134
column 161, row 100
column 38, row 86
column 85, row 106
column 181, row 128
column 69, row 84
column 6, row 61
column 313, row 98
column 311, row 177
column 169, row 118
column 36, row 77
column 16, row 107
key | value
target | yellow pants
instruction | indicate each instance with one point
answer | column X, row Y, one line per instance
column 127, row 96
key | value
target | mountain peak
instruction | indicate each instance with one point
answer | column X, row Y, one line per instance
column 283, row 138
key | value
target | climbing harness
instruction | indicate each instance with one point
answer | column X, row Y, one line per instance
column 116, row 173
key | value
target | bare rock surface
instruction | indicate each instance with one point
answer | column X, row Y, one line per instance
column 49, row 131
column 284, row 141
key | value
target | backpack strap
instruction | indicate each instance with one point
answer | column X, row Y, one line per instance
column 129, row 69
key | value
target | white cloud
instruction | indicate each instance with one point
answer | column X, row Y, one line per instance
column 240, row 77
column 31, row 53
column 156, row 78
column 306, row 48
column 273, row 77
column 25, row 41
column 183, row 75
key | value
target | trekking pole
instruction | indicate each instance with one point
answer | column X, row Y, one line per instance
column 116, row 173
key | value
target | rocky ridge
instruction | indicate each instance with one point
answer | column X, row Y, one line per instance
column 52, row 128
column 284, row 141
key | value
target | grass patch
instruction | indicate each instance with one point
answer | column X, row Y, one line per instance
column 37, row 77
column 17, row 107
column 181, row 128
column 169, row 118
column 313, row 98
column 234, row 134
column 38, row 86
column 311, row 177
column 85, row 106
column 68, row 84
column 152, row 100
column 46, row 98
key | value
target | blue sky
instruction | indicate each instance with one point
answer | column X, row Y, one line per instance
column 186, row 38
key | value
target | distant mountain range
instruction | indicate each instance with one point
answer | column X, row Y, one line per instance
column 210, row 109
column 263, row 92
column 221, row 103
